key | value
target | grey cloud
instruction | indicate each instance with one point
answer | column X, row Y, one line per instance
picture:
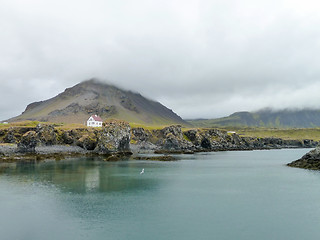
column 200, row 58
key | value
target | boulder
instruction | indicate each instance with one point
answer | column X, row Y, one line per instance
column 46, row 134
column 174, row 140
column 194, row 136
column 28, row 142
column 114, row 137
column 174, row 130
column 140, row 134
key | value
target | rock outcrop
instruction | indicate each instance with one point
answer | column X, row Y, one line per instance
column 173, row 139
column 28, row 142
column 117, row 138
column 46, row 134
column 310, row 160
column 114, row 137
column 88, row 141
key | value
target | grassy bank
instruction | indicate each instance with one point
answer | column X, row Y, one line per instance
column 288, row 134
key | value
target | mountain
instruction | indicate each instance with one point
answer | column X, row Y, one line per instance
column 77, row 103
column 305, row 118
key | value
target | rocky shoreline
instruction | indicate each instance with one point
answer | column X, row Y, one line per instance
column 116, row 139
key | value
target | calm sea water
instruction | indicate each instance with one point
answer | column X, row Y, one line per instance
column 223, row 195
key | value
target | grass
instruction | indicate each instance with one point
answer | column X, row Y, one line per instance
column 35, row 123
column 70, row 126
column 156, row 127
column 147, row 127
column 287, row 134
column 20, row 124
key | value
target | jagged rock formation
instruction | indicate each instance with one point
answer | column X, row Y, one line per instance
column 28, row 142
column 174, row 139
column 310, row 160
column 77, row 103
column 116, row 138
column 113, row 137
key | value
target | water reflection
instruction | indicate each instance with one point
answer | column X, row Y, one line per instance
column 82, row 175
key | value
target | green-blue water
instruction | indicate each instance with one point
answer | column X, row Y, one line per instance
column 223, row 195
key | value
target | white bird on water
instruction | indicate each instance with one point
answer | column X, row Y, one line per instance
column 142, row 171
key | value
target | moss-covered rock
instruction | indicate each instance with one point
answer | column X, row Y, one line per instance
column 139, row 134
column 11, row 136
column 88, row 141
column 46, row 134
column 28, row 142
column 173, row 139
column 114, row 137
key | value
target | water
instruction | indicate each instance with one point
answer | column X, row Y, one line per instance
column 223, row 195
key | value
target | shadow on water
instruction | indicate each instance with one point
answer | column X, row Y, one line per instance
column 81, row 175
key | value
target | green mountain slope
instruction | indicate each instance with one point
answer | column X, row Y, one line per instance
column 77, row 103
column 265, row 118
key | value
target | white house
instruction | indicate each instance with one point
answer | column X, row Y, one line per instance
column 94, row 121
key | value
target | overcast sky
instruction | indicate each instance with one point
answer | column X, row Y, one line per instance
column 202, row 59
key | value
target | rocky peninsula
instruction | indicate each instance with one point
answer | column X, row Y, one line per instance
column 116, row 139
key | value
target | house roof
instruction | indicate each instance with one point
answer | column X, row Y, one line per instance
column 96, row 118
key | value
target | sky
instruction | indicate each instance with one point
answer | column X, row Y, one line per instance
column 201, row 58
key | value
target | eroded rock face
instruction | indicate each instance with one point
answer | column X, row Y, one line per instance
column 172, row 139
column 140, row 134
column 174, row 130
column 28, row 142
column 88, row 141
column 10, row 136
column 209, row 139
column 114, row 137
column 46, row 134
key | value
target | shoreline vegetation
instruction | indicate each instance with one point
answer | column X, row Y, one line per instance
column 116, row 139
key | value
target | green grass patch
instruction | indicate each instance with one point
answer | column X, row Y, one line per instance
column 147, row 127
column 20, row 124
column 287, row 134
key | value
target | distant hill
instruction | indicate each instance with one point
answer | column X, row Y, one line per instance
column 77, row 103
column 265, row 118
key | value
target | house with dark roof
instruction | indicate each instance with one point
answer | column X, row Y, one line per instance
column 94, row 121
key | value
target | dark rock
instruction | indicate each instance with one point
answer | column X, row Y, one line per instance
column 66, row 138
column 140, row 134
column 174, row 130
column 3, row 132
column 114, row 137
column 205, row 143
column 87, row 142
column 46, row 134
column 10, row 137
column 310, row 160
column 28, row 142
column 171, row 138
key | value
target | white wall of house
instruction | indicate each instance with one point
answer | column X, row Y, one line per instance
column 93, row 123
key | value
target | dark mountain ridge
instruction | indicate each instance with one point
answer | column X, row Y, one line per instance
column 287, row 118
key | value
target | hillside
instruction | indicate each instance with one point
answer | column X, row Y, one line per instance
column 306, row 118
column 77, row 103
